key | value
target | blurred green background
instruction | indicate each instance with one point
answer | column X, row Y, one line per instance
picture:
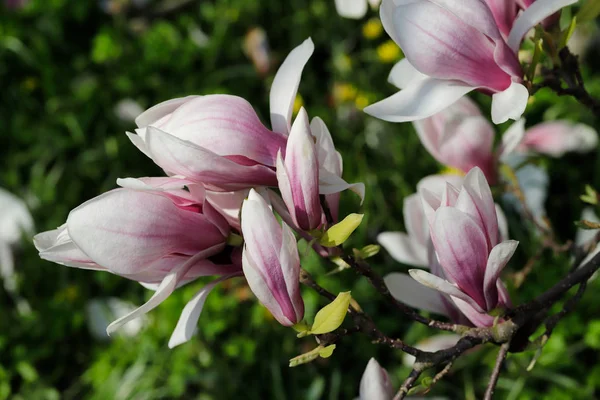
column 67, row 66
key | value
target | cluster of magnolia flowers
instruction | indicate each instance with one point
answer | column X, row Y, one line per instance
column 222, row 165
column 213, row 214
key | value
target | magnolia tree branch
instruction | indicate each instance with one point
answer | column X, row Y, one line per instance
column 569, row 72
column 408, row 384
column 496, row 371
column 361, row 267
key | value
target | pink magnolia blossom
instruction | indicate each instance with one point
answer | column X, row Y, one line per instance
column 157, row 234
column 218, row 140
column 467, row 242
column 375, row 383
column 453, row 47
column 298, row 176
column 270, row 261
column 559, row 137
column 460, row 136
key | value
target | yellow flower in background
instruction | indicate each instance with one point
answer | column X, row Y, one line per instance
column 372, row 29
column 361, row 101
column 344, row 92
column 388, row 52
column 298, row 103
column 451, row 171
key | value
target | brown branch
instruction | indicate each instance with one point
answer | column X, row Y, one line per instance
column 496, row 371
column 570, row 73
column 362, row 323
column 408, row 383
column 378, row 283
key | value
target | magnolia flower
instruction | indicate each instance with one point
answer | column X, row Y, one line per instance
column 460, row 137
column 412, row 247
column 355, row 9
column 270, row 261
column 559, row 137
column 218, row 140
column 298, row 176
column 157, row 234
column 15, row 221
column 467, row 243
column 453, row 47
column 416, row 248
column 375, row 383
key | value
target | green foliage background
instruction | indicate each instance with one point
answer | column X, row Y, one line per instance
column 63, row 67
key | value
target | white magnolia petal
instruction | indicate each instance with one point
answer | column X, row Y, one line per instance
column 186, row 325
column 509, row 104
column 285, row 86
column 160, row 110
column 435, row 282
column 512, row 138
column 375, row 383
column 421, row 99
column 409, row 291
column 403, row 74
column 533, row 15
column 355, row 9
column 164, row 290
column 330, row 183
column 15, row 218
column 502, row 223
column 404, row 248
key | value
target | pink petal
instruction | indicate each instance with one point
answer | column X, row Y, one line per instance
column 57, row 246
column 302, row 175
column 127, row 231
column 433, row 38
column 505, row 13
column 181, row 157
column 462, row 250
column 261, row 260
column 226, row 125
column 476, row 200
column 469, row 144
column 497, row 260
column 558, row 137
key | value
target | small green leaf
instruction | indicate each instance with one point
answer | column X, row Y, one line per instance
column 589, row 11
column 306, row 357
column 330, row 317
column 367, row 251
column 342, row 265
column 320, row 351
column 585, row 224
column 341, row 231
column 590, row 196
column 566, row 34
column 327, row 351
